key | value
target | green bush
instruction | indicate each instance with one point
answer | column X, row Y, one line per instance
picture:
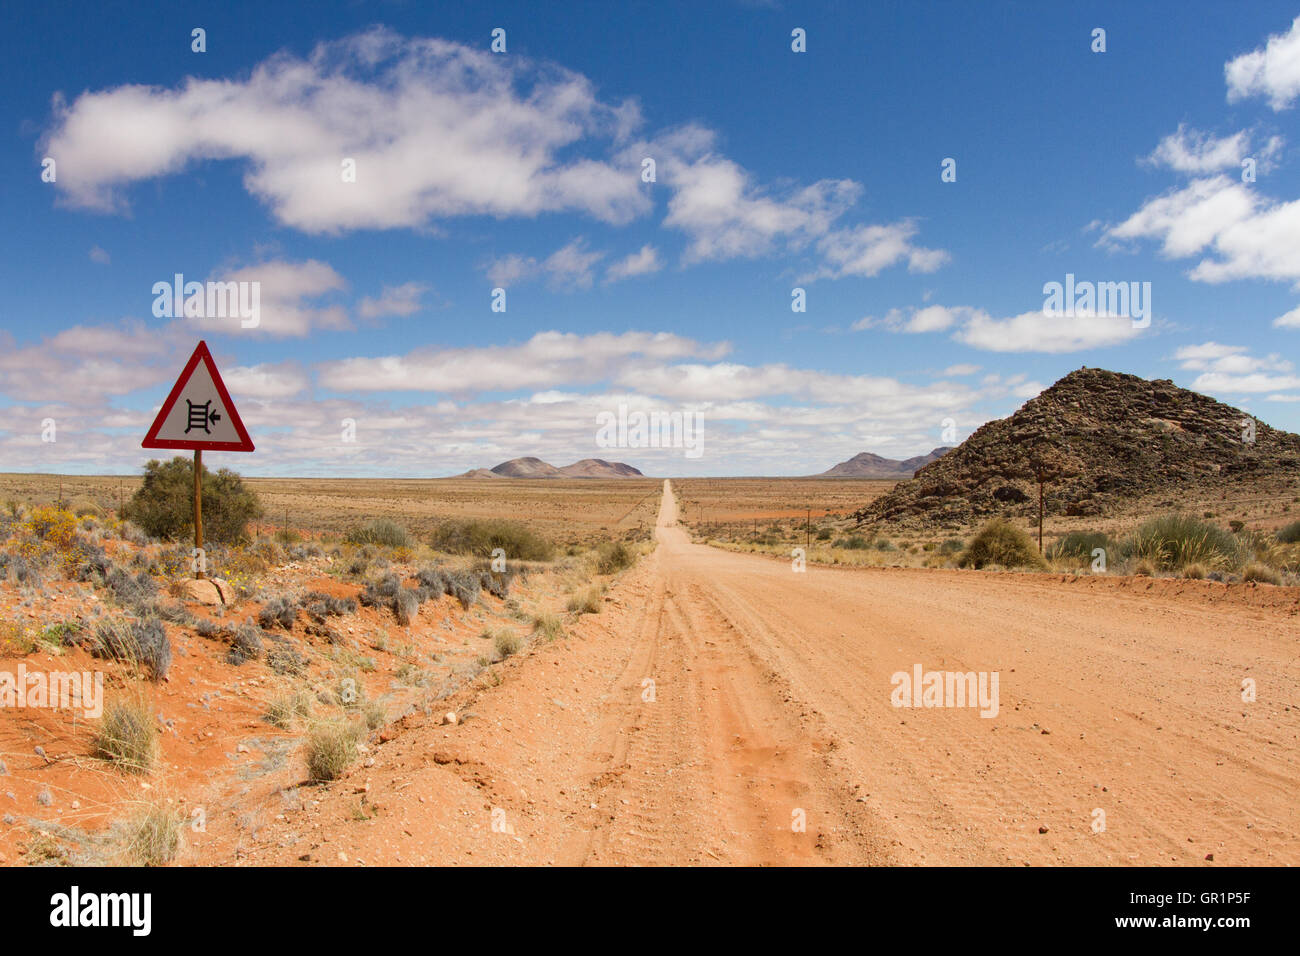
column 1289, row 534
column 480, row 537
column 614, row 556
column 164, row 505
column 1001, row 542
column 382, row 532
column 1079, row 545
column 126, row 735
column 1177, row 540
column 330, row 749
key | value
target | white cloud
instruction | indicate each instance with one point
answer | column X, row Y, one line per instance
column 1289, row 320
column 436, row 129
column 265, row 382
column 99, row 255
column 640, row 263
column 1231, row 369
column 1272, row 71
column 1029, row 332
column 1191, row 151
column 1242, row 233
column 572, row 266
column 961, row 370
column 546, row 360
column 866, row 250
column 89, row 364
column 1036, row 332
column 285, row 289
column 402, row 299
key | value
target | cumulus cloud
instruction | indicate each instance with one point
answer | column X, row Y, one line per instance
column 1289, row 320
column 265, row 382
column 401, row 299
column 1191, row 151
column 100, row 256
column 285, row 291
column 1239, row 233
column 1028, row 332
column 94, row 362
column 1272, row 71
column 1036, row 332
column 436, row 129
column 640, row 263
column 572, row 266
column 547, row 359
column 1232, row 369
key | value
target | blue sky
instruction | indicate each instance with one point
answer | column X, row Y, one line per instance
column 522, row 170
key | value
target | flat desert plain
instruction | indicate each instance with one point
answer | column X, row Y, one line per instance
column 711, row 707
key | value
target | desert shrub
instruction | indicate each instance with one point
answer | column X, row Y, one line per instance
column 285, row 709
column 374, row 714
column 142, row 641
column 1145, row 569
column 480, row 537
column 285, row 537
column 382, row 592
column 1235, row 526
column 1261, row 573
column 330, row 749
column 433, row 579
column 824, row 534
column 406, row 605
column 245, row 645
column 1078, row 545
column 506, row 643
column 381, row 532
column 280, row 610
column 854, row 542
column 81, row 507
column 324, row 604
column 164, row 505
column 126, row 734
column 128, row 591
column 612, row 556
column 154, row 836
column 884, row 544
column 283, row 658
column 20, row 569
column 1002, row 543
column 1177, row 540
column 91, row 563
column 587, row 601
column 15, row 639
column 1290, row 534
column 1194, row 572
column 952, row 546
column 496, row 583
column 465, row 586
column 548, row 626
column 206, row 627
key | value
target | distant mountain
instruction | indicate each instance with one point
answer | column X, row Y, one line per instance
column 536, row 468
column 526, row 468
column 599, row 468
column 867, row 465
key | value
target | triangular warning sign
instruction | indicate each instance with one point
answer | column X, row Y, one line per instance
column 199, row 413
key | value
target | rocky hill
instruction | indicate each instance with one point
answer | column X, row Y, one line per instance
column 867, row 465
column 1106, row 439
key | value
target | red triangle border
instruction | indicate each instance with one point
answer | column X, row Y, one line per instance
column 151, row 440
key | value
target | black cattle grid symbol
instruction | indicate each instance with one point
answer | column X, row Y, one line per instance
column 200, row 416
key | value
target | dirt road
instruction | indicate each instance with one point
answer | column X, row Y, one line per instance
column 727, row 709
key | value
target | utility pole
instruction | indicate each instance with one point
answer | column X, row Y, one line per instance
column 807, row 528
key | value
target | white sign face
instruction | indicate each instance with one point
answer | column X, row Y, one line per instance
column 199, row 413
